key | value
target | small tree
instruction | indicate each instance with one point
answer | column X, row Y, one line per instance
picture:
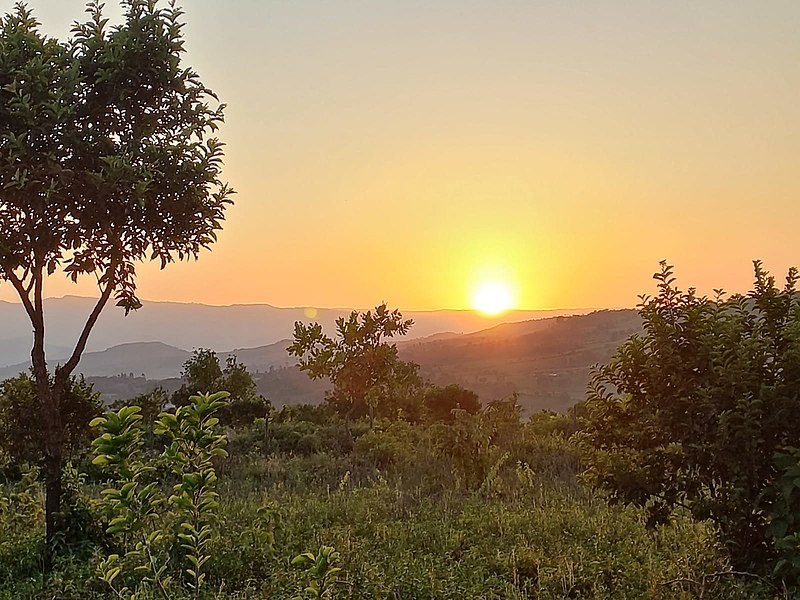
column 203, row 372
column 105, row 161
column 692, row 412
column 441, row 401
column 357, row 361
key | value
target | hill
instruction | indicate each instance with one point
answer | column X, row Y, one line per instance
column 547, row 362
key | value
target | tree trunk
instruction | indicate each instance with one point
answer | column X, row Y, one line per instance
column 52, row 503
column 50, row 397
column 51, row 392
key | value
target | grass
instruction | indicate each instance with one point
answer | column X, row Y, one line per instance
column 540, row 539
column 409, row 526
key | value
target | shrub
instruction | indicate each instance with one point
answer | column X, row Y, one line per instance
column 691, row 412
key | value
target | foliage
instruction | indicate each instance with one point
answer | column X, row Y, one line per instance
column 441, row 401
column 399, row 395
column 783, row 500
column 21, row 435
column 203, row 372
column 20, row 519
column 357, row 360
column 319, row 414
column 690, row 413
column 543, row 538
column 79, row 531
column 409, row 527
column 195, row 443
column 110, row 116
column 135, row 501
column 320, row 571
column 152, row 404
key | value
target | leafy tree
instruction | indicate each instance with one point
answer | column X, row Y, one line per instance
column 357, row 361
column 21, row 435
column 203, row 373
column 105, row 160
column 400, row 395
column 692, row 412
column 441, row 401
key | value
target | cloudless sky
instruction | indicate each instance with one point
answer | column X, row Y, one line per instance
column 407, row 150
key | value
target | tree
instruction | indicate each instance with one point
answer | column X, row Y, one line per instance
column 441, row 401
column 202, row 373
column 357, row 361
column 692, row 412
column 105, row 161
column 400, row 395
column 20, row 418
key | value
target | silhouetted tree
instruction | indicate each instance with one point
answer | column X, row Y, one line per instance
column 400, row 395
column 692, row 412
column 105, row 160
column 356, row 361
column 203, row 373
column 440, row 402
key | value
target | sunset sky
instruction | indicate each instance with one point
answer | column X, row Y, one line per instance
column 410, row 151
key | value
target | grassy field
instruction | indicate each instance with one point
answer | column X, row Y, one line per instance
column 416, row 512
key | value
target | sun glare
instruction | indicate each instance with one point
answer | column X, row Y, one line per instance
column 492, row 298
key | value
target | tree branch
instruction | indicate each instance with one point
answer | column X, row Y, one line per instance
column 38, row 357
column 64, row 371
column 24, row 293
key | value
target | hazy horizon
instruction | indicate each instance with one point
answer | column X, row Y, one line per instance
column 497, row 316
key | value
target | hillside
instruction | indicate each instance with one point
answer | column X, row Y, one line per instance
column 547, row 362
column 155, row 360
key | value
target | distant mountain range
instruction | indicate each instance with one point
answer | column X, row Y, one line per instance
column 157, row 360
column 188, row 326
column 547, row 362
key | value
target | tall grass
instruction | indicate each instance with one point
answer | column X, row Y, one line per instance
column 464, row 510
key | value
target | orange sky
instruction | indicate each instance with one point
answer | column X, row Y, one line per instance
column 407, row 150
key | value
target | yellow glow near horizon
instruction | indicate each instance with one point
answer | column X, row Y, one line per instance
column 493, row 297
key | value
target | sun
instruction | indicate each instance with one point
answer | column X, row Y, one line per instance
column 493, row 297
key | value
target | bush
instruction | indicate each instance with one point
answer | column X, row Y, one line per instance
column 692, row 412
